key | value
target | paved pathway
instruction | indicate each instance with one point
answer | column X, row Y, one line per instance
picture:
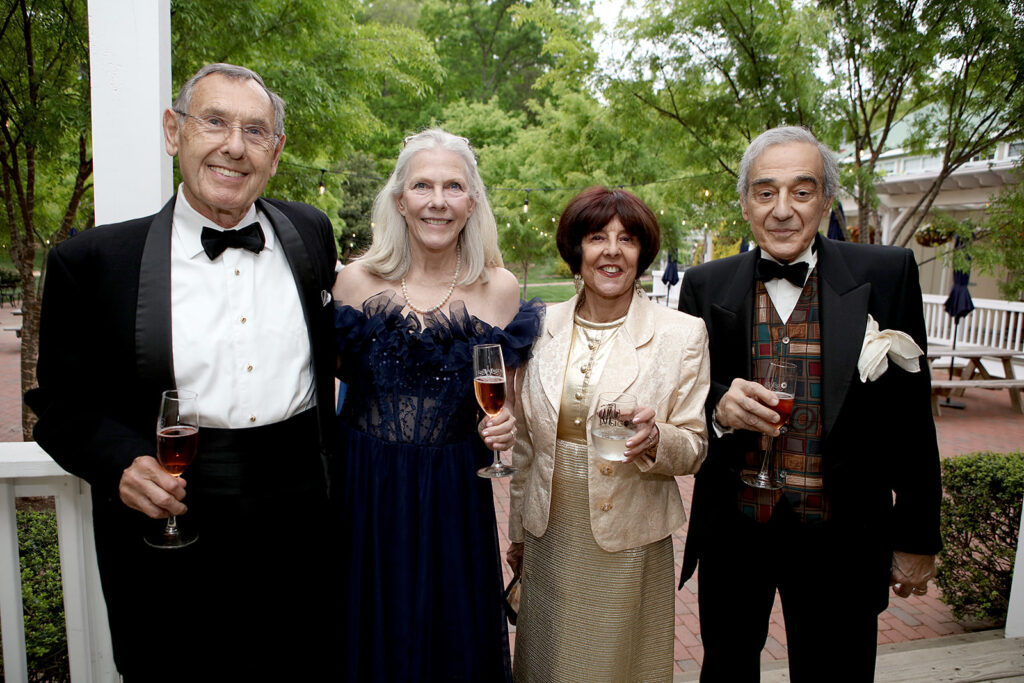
column 987, row 423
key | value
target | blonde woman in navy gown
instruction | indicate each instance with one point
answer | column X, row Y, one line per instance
column 421, row 573
column 593, row 537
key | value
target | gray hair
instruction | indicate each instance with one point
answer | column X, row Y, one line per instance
column 388, row 256
column 781, row 136
column 238, row 73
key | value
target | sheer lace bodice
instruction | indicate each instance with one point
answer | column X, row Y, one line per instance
column 411, row 382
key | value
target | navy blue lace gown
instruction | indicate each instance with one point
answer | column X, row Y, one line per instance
column 421, row 582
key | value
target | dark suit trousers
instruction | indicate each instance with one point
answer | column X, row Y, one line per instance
column 252, row 598
column 827, row 592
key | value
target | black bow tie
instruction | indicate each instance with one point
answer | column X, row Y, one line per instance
column 216, row 241
column 770, row 270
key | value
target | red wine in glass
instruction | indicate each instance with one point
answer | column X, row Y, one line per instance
column 780, row 379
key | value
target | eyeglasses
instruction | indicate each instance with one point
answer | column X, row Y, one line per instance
column 216, row 128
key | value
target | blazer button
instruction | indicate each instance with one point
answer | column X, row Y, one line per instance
column 576, row 421
column 606, row 469
column 579, row 395
column 606, row 507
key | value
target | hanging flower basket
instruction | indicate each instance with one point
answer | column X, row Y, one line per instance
column 930, row 236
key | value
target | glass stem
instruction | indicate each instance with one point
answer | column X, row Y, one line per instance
column 172, row 526
column 765, row 460
column 497, row 458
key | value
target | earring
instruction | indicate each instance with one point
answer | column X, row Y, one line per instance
column 638, row 287
column 577, row 282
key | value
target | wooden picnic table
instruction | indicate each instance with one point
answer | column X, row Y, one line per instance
column 974, row 374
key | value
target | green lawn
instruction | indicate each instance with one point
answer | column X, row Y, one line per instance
column 550, row 294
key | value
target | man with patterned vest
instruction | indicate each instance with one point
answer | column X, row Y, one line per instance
column 859, row 509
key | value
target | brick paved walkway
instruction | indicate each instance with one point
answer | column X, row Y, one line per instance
column 987, row 423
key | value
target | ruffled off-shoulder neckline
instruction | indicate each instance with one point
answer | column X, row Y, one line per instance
column 444, row 340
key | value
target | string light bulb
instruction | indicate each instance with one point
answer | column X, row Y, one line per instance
column 707, row 192
column 526, row 203
column 322, row 188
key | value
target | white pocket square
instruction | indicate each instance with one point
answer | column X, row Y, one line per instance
column 325, row 296
column 882, row 345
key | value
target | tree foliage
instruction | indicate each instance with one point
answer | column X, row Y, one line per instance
column 45, row 155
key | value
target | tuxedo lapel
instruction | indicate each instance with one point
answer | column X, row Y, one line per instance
column 732, row 319
column 295, row 252
column 844, row 315
column 153, row 351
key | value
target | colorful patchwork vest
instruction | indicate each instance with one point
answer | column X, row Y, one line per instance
column 799, row 342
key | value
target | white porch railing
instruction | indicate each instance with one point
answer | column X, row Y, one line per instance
column 992, row 323
column 25, row 470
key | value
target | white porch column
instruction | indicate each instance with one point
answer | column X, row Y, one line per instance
column 1015, row 614
column 130, row 70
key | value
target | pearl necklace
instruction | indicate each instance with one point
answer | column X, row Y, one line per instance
column 451, row 287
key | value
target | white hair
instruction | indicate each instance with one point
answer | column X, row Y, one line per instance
column 388, row 256
column 781, row 136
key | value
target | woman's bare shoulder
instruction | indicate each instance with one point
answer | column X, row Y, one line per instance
column 355, row 284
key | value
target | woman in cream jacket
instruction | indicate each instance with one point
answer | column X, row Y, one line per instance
column 592, row 538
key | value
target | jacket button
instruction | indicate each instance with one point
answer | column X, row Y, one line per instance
column 606, row 507
column 579, row 395
column 606, row 469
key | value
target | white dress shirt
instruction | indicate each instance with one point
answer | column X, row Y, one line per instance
column 783, row 293
column 239, row 336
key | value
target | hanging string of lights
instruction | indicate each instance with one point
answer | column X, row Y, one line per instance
column 322, row 187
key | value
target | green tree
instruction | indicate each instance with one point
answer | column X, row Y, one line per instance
column 328, row 61
column 357, row 192
column 978, row 100
column 882, row 57
column 45, row 155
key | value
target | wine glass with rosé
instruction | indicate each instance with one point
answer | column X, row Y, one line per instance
column 780, row 380
column 489, row 387
column 177, row 440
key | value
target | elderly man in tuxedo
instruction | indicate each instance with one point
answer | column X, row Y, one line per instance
column 859, row 510
column 190, row 299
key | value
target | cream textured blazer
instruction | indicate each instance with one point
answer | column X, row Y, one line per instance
column 661, row 356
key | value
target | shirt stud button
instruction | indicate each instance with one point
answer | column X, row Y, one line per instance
column 237, row 271
column 249, row 367
column 244, row 319
column 252, row 418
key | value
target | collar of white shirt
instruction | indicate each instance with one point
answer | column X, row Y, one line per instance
column 188, row 226
column 783, row 293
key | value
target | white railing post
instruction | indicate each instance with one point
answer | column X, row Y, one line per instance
column 25, row 470
column 1015, row 613
column 12, row 619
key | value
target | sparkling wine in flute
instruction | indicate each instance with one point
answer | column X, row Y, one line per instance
column 489, row 388
column 177, row 440
column 176, row 447
column 490, row 393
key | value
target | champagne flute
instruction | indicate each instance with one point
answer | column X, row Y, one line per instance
column 612, row 425
column 780, row 380
column 489, row 387
column 177, row 439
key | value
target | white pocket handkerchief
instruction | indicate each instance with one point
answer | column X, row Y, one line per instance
column 325, row 296
column 882, row 345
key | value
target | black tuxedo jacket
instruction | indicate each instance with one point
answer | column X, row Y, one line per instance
column 878, row 438
column 105, row 337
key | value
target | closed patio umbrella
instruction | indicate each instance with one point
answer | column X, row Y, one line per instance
column 671, row 275
column 958, row 304
column 835, row 228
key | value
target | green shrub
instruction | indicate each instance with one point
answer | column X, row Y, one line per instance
column 561, row 269
column 45, row 636
column 981, row 512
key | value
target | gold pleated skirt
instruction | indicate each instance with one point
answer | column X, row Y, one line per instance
column 586, row 614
